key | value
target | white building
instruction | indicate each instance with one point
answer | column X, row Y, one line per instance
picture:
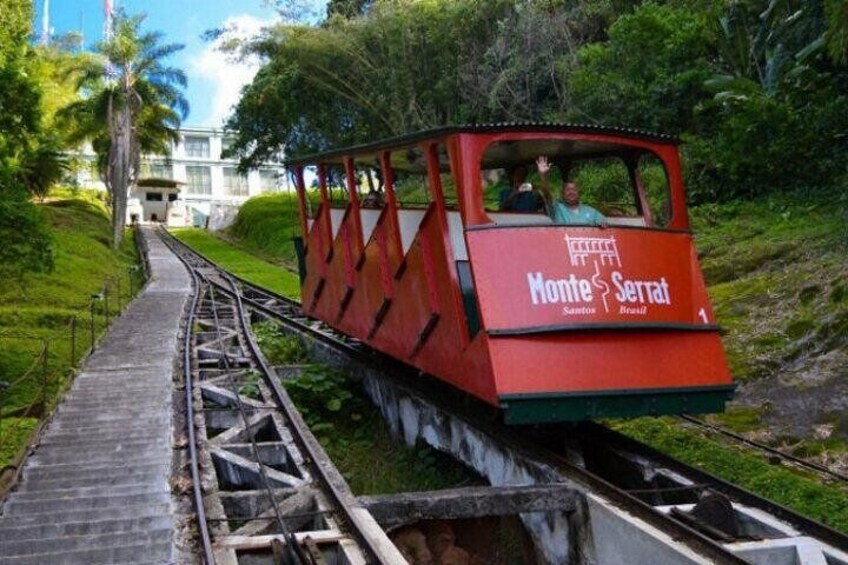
column 205, row 189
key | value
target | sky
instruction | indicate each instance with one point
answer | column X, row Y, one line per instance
column 214, row 81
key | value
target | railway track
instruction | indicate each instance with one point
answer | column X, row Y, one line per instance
column 773, row 454
column 609, row 498
column 261, row 484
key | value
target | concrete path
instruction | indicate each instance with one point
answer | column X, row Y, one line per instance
column 97, row 488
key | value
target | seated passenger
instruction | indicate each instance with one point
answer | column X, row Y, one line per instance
column 374, row 199
column 522, row 197
column 567, row 211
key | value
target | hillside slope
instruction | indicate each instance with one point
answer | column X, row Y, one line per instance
column 778, row 277
column 38, row 309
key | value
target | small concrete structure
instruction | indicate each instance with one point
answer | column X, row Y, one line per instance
column 155, row 200
column 96, row 490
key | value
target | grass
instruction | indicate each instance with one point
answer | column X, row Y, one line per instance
column 38, row 308
column 353, row 432
column 794, row 489
column 241, row 263
column 265, row 226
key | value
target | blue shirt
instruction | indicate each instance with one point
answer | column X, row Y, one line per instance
column 529, row 201
column 564, row 215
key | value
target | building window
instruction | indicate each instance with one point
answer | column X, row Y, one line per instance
column 268, row 181
column 172, row 197
column 234, row 183
column 196, row 146
column 157, row 171
column 199, row 180
column 226, row 143
column 154, row 197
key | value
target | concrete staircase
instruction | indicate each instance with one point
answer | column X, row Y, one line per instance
column 96, row 490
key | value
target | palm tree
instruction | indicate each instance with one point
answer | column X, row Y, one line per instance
column 132, row 104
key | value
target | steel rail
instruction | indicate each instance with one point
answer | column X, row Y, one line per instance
column 200, row 508
column 738, row 494
column 821, row 469
column 283, row 402
column 293, row 548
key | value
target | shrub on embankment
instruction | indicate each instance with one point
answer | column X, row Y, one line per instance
column 37, row 308
column 265, row 226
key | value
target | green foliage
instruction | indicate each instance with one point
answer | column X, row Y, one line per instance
column 250, row 386
column 265, row 226
column 649, row 74
column 321, row 393
column 279, row 348
column 15, row 433
column 27, row 243
column 785, row 486
column 749, row 85
column 241, row 263
column 773, row 297
column 357, row 440
column 351, row 80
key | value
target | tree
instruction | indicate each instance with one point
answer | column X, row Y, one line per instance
column 26, row 240
column 133, row 104
column 649, row 73
column 394, row 70
column 347, row 8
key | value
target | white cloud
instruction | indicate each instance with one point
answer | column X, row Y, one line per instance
column 223, row 76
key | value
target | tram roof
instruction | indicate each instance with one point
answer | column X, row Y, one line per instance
column 335, row 155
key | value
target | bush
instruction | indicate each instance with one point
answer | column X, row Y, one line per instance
column 27, row 244
column 762, row 145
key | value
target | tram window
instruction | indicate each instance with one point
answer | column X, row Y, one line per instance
column 606, row 185
column 313, row 195
column 447, row 181
column 655, row 181
column 370, row 189
column 337, row 189
column 409, row 169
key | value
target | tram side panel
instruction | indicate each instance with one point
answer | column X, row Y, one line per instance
column 424, row 327
column 585, row 311
column 317, row 248
column 404, row 307
column 372, row 297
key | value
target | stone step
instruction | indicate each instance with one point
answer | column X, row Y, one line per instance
column 106, row 438
column 89, row 515
column 111, row 412
column 126, row 456
column 64, row 471
column 95, row 435
column 111, row 421
column 95, row 429
column 120, row 388
column 88, row 492
column 84, row 445
column 23, row 507
column 135, row 553
column 14, row 548
column 44, row 531
column 146, row 401
column 94, row 480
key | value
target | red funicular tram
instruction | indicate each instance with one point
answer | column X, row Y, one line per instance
column 406, row 249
